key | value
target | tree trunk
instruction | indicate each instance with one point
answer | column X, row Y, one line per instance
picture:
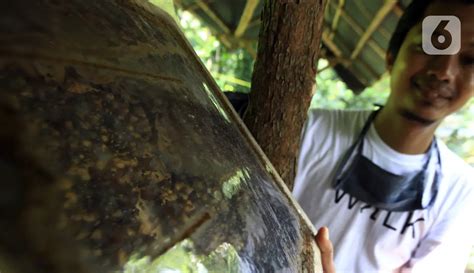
column 283, row 79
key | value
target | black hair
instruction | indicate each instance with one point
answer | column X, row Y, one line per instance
column 411, row 16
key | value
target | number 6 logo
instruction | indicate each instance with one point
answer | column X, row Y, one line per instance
column 441, row 35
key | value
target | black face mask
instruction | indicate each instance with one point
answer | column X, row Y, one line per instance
column 384, row 190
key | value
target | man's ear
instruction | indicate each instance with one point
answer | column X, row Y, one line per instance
column 389, row 60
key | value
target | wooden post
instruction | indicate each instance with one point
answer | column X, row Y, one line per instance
column 283, row 79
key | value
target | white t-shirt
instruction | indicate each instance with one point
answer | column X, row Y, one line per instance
column 367, row 239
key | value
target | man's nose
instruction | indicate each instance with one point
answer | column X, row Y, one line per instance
column 443, row 67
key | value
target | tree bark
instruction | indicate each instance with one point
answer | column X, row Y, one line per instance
column 283, row 79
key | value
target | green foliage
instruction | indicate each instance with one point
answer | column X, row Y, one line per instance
column 232, row 69
column 332, row 93
column 166, row 5
column 458, row 132
column 182, row 258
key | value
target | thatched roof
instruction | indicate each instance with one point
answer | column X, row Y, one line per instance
column 355, row 36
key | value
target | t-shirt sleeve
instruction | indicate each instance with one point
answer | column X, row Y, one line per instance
column 314, row 142
column 447, row 245
column 316, row 135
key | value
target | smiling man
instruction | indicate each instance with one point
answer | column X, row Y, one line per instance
column 395, row 198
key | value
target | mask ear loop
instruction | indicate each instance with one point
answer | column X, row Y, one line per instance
column 351, row 149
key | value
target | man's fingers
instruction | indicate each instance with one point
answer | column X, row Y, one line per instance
column 325, row 246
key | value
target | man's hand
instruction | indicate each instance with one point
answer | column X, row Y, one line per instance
column 325, row 246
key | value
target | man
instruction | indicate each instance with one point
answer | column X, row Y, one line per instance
column 395, row 198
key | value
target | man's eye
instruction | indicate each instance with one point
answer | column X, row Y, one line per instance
column 469, row 61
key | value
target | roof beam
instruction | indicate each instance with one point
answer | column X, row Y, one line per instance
column 349, row 64
column 334, row 49
column 331, row 45
column 378, row 50
column 398, row 10
column 246, row 17
column 254, row 22
column 365, row 12
column 248, row 46
column 335, row 20
column 189, row 7
column 213, row 16
column 379, row 17
column 332, row 62
column 225, row 38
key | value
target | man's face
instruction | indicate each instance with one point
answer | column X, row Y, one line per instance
column 430, row 87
